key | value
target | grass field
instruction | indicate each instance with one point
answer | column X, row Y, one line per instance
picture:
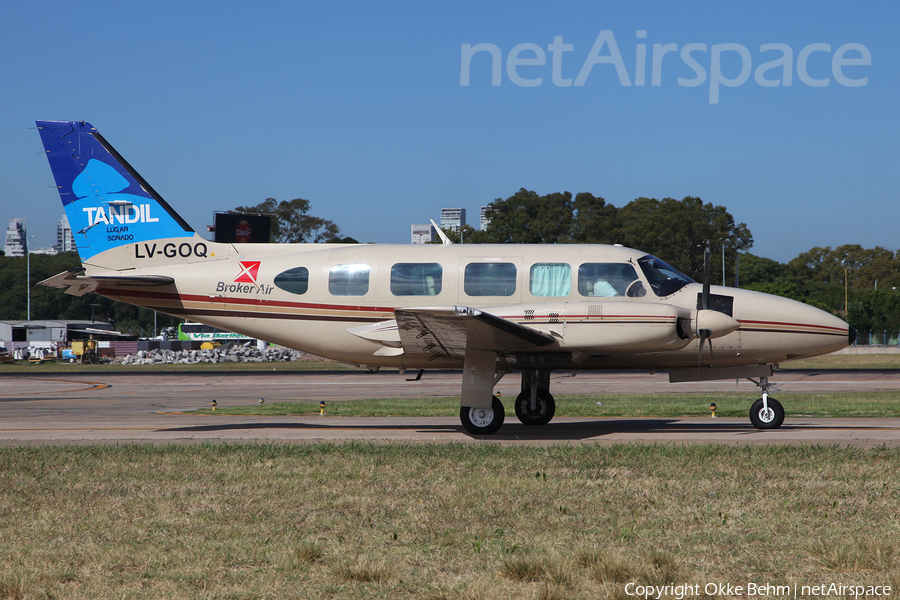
column 854, row 404
column 440, row 522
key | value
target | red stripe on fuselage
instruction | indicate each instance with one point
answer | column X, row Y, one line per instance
column 765, row 327
column 754, row 326
column 244, row 301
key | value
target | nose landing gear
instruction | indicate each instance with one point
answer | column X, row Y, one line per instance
column 766, row 413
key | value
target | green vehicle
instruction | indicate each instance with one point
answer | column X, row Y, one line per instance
column 198, row 332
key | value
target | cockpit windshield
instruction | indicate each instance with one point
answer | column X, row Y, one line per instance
column 664, row 279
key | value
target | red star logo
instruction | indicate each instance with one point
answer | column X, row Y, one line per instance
column 249, row 269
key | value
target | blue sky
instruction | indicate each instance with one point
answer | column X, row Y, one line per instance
column 358, row 107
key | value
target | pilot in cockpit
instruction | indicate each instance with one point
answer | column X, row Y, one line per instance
column 603, row 287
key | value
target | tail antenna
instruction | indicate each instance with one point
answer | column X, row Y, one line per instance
column 444, row 239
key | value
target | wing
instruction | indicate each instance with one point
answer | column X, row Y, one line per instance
column 450, row 332
column 76, row 284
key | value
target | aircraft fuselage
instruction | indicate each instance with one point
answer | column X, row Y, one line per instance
column 234, row 287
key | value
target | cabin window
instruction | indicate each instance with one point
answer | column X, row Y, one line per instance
column 553, row 280
column 295, row 281
column 349, row 280
column 490, row 279
column 416, row 279
column 608, row 280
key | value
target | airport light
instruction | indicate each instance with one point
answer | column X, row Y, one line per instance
column 28, row 270
column 844, row 262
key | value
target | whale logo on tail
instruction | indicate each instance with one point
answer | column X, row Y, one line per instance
column 107, row 202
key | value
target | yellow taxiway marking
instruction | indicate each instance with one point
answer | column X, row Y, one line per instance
column 94, row 386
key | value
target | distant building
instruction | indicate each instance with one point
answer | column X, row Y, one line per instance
column 484, row 220
column 453, row 218
column 65, row 241
column 423, row 234
column 15, row 238
column 60, row 332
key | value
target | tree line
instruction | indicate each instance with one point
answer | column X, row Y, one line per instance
column 52, row 304
column 673, row 230
column 676, row 231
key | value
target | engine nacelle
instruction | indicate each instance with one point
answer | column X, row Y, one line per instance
column 618, row 326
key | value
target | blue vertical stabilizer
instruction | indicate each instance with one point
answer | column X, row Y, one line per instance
column 107, row 202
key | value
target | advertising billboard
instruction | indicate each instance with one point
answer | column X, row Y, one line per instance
column 242, row 228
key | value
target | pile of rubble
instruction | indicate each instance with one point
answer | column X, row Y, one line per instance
column 223, row 354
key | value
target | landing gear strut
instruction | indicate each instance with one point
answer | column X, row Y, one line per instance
column 535, row 405
column 766, row 413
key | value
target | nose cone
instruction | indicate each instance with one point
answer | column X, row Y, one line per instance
column 784, row 329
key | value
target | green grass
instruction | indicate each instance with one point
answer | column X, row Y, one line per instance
column 846, row 361
column 845, row 404
column 439, row 521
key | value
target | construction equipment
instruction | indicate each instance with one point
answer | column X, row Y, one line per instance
column 85, row 351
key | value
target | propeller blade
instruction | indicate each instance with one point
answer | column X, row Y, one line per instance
column 704, row 301
column 703, row 333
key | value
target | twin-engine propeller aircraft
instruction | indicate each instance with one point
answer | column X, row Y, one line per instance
column 488, row 309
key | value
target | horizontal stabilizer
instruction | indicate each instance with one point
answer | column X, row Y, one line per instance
column 452, row 331
column 384, row 333
column 76, row 284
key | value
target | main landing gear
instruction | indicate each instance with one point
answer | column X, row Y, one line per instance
column 483, row 421
column 535, row 406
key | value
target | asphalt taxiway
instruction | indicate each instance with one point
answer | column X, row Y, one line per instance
column 109, row 408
